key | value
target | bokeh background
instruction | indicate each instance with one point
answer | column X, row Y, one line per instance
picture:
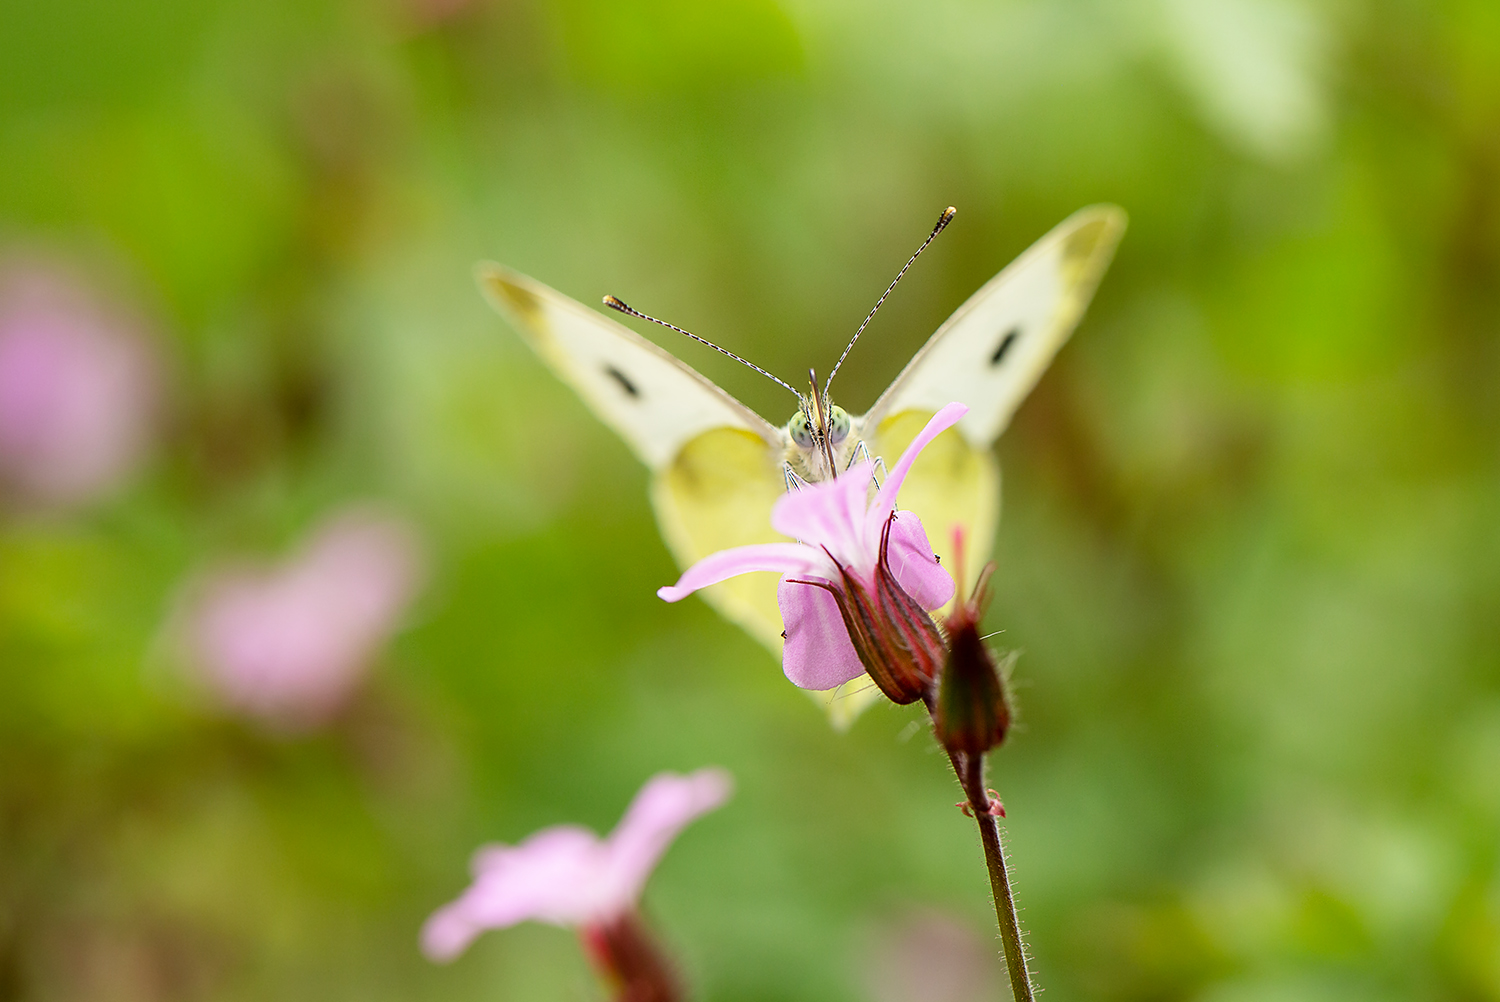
column 1250, row 548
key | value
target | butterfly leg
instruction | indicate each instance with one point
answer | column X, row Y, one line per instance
column 878, row 472
column 793, row 482
column 861, row 454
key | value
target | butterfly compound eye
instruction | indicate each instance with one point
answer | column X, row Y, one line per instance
column 798, row 428
column 838, row 425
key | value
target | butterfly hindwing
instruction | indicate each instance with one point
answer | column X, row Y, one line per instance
column 716, row 464
column 716, row 494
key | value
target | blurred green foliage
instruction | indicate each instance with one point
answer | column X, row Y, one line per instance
column 1251, row 544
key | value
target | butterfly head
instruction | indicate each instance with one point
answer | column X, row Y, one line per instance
column 804, row 432
column 820, row 436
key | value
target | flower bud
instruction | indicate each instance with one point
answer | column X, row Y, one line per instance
column 972, row 712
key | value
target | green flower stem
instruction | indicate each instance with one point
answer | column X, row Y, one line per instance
column 970, row 772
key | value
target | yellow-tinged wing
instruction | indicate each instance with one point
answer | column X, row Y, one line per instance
column 716, row 464
column 716, row 494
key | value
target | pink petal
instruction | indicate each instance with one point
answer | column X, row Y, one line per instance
column 78, row 388
column 915, row 566
column 567, row 875
column 490, row 859
column 665, row 805
column 448, row 933
column 783, row 558
column 818, row 652
column 830, row 514
column 373, row 561
column 885, row 499
column 290, row 644
column 555, row 876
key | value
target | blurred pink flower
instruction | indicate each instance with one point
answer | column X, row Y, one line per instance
column 843, row 543
column 289, row 644
column 567, row 875
column 930, row 956
column 78, row 389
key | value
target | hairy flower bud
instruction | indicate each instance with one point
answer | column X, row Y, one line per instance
column 972, row 713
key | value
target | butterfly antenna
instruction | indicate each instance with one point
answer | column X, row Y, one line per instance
column 620, row 305
column 943, row 221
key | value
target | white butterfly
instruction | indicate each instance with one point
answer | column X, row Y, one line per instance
column 718, row 466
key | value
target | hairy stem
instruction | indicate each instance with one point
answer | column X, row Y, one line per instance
column 970, row 772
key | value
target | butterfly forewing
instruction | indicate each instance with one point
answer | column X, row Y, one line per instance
column 988, row 355
column 994, row 348
column 716, row 463
column 655, row 402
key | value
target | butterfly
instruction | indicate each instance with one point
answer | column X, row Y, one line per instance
column 718, row 467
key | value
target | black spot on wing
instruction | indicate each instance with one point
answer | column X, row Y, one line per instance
column 1011, row 337
column 631, row 390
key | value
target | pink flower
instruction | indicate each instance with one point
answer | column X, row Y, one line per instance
column 854, row 590
column 77, row 390
column 289, row 644
column 930, row 956
column 567, row 875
